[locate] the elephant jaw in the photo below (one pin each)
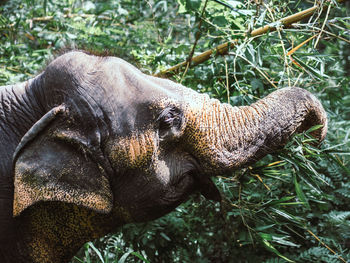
(225, 138)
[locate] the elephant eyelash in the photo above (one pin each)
(169, 117)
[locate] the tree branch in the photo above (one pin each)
(223, 48)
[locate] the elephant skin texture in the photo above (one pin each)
(92, 143)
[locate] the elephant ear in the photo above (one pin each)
(57, 164)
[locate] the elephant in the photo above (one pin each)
(92, 143)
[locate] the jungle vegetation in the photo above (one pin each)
(293, 206)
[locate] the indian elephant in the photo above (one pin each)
(92, 143)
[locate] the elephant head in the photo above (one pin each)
(122, 146)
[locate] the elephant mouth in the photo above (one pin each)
(187, 177)
(207, 187)
(203, 182)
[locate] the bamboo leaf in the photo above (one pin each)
(90, 244)
(300, 193)
(270, 247)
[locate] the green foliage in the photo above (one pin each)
(292, 206)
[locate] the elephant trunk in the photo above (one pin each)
(226, 137)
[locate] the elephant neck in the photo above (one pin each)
(18, 112)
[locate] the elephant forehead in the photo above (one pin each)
(185, 98)
(135, 150)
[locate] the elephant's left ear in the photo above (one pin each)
(53, 164)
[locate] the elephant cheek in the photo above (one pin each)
(162, 172)
(133, 152)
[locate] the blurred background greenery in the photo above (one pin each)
(290, 206)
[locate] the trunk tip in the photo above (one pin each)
(316, 115)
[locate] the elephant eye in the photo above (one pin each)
(169, 118)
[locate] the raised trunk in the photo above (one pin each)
(226, 137)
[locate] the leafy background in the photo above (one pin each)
(290, 206)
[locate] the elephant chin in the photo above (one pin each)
(226, 138)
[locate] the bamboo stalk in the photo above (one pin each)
(287, 21)
(220, 49)
(325, 245)
(223, 48)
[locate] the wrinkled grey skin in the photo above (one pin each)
(92, 143)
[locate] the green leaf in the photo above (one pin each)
(292, 218)
(90, 244)
(300, 193)
(124, 257)
(256, 84)
(193, 4)
(314, 128)
(138, 255)
(188, 5)
(165, 236)
(261, 228)
(182, 7)
(266, 236)
(270, 247)
(220, 21)
(282, 240)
